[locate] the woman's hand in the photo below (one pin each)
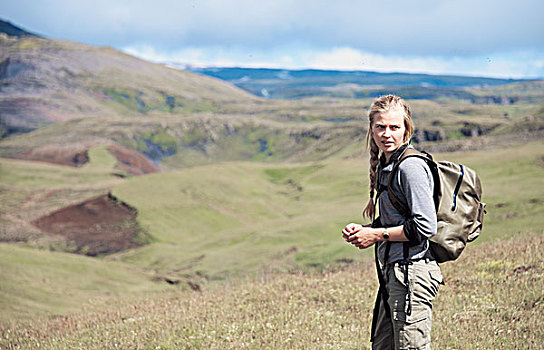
(360, 236)
(351, 229)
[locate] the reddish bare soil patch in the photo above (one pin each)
(128, 160)
(97, 226)
(131, 161)
(62, 155)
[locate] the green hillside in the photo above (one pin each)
(304, 130)
(44, 81)
(259, 213)
(38, 282)
(225, 221)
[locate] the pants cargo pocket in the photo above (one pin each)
(414, 330)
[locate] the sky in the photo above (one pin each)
(491, 38)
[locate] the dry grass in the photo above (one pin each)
(492, 299)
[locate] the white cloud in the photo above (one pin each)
(417, 27)
(521, 65)
(217, 56)
(387, 35)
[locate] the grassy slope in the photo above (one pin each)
(492, 300)
(56, 81)
(237, 217)
(36, 175)
(231, 219)
(29, 189)
(40, 282)
(37, 282)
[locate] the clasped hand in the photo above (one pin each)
(361, 236)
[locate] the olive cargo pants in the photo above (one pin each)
(409, 324)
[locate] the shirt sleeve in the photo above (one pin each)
(415, 181)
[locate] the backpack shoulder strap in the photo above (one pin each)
(411, 152)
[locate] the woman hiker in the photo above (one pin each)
(409, 276)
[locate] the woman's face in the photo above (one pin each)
(388, 131)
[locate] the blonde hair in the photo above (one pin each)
(381, 105)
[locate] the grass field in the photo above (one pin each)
(492, 300)
(224, 222)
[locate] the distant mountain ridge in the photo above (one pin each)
(291, 84)
(12, 30)
(350, 76)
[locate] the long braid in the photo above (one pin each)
(370, 209)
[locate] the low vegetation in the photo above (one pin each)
(492, 300)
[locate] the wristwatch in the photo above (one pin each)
(385, 234)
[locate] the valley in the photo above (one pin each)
(122, 180)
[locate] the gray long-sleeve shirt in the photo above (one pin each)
(413, 186)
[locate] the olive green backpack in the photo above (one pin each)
(457, 198)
